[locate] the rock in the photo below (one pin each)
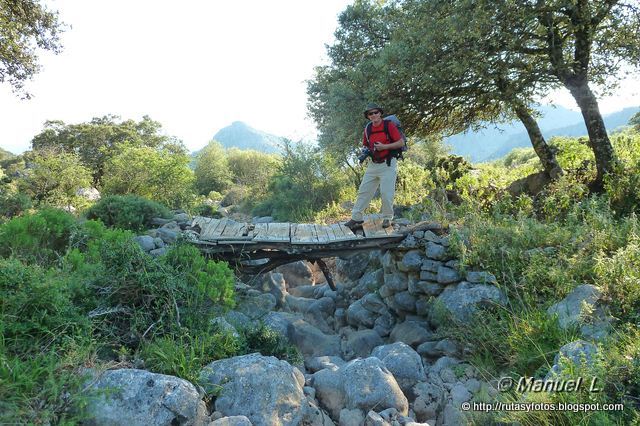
(435, 251)
(412, 333)
(411, 261)
(447, 275)
(223, 325)
(429, 276)
(583, 308)
(387, 262)
(169, 236)
(306, 291)
(307, 338)
(370, 282)
(404, 363)
(258, 387)
(138, 397)
(375, 419)
(172, 225)
(405, 301)
(451, 416)
(182, 218)
(160, 221)
(314, 364)
(352, 267)
(429, 288)
(358, 315)
(361, 343)
(274, 283)
(361, 384)
(463, 300)
(256, 306)
(145, 242)
(429, 400)
(384, 324)
(296, 274)
(373, 303)
(353, 417)
(237, 319)
(232, 421)
(158, 252)
(396, 281)
(430, 265)
(91, 194)
(158, 242)
(580, 353)
(438, 348)
(481, 277)
(409, 242)
(459, 394)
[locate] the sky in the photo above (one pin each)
(195, 66)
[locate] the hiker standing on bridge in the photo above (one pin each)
(379, 137)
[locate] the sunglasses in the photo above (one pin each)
(373, 112)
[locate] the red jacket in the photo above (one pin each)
(378, 135)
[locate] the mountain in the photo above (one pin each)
(242, 136)
(493, 143)
(5, 155)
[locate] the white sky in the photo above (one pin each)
(195, 66)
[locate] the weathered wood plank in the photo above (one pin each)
(210, 228)
(232, 229)
(219, 229)
(276, 232)
(323, 234)
(300, 234)
(259, 231)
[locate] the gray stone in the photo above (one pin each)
(447, 275)
(404, 363)
(182, 218)
(232, 421)
(463, 300)
(430, 288)
(296, 274)
(145, 242)
(330, 391)
(370, 282)
(422, 307)
(459, 394)
(435, 251)
(307, 338)
(353, 267)
(314, 364)
(263, 219)
(396, 281)
(580, 353)
(409, 242)
(274, 283)
(223, 325)
(158, 242)
(481, 277)
(430, 399)
(386, 291)
(373, 303)
(418, 234)
(306, 291)
(428, 276)
(256, 305)
(452, 416)
(167, 235)
(583, 308)
(91, 194)
(406, 301)
(384, 324)
(357, 315)
(411, 261)
(159, 221)
(435, 349)
(171, 226)
(375, 419)
(352, 417)
(386, 260)
(138, 397)
(412, 333)
(158, 252)
(360, 344)
(237, 319)
(430, 236)
(430, 265)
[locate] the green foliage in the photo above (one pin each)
(99, 140)
(268, 342)
(41, 237)
(212, 171)
(26, 26)
(413, 183)
(127, 212)
(302, 186)
(13, 204)
(54, 177)
(161, 175)
(635, 121)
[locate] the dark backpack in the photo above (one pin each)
(397, 153)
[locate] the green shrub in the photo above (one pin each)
(14, 204)
(269, 343)
(127, 212)
(41, 237)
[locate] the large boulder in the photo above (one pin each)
(352, 267)
(296, 274)
(583, 308)
(308, 339)
(403, 362)
(412, 333)
(361, 384)
(138, 397)
(579, 355)
(360, 344)
(266, 390)
(464, 299)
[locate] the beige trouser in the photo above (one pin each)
(377, 175)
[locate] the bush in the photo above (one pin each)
(14, 204)
(127, 212)
(41, 237)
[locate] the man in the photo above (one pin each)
(381, 171)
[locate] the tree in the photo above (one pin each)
(252, 169)
(635, 121)
(54, 177)
(161, 175)
(100, 139)
(212, 170)
(25, 27)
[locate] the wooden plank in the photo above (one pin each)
(331, 235)
(209, 228)
(259, 231)
(323, 235)
(275, 232)
(303, 234)
(347, 234)
(231, 230)
(200, 221)
(372, 228)
(214, 233)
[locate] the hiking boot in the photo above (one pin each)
(354, 224)
(386, 223)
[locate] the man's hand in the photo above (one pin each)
(379, 146)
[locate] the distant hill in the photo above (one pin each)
(5, 155)
(491, 143)
(242, 136)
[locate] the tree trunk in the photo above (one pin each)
(598, 137)
(540, 146)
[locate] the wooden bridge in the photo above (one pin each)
(261, 247)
